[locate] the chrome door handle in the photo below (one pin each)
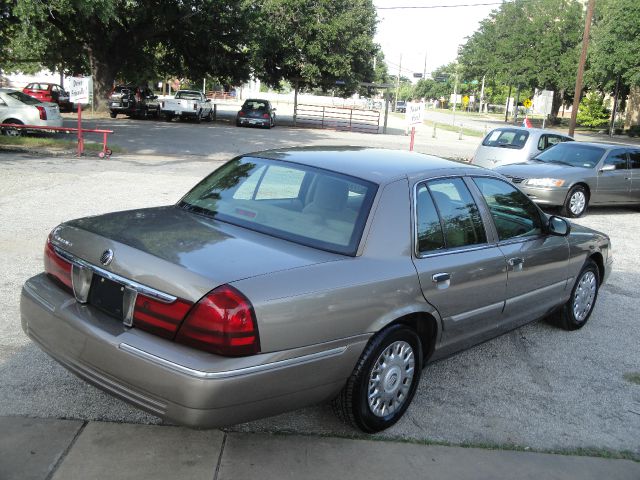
(441, 277)
(516, 263)
(442, 280)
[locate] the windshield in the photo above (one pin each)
(24, 98)
(573, 154)
(305, 205)
(254, 105)
(188, 95)
(506, 138)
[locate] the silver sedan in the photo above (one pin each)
(578, 174)
(17, 108)
(296, 276)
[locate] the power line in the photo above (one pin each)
(440, 6)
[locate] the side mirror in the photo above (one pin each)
(607, 168)
(558, 226)
(154, 97)
(208, 100)
(274, 109)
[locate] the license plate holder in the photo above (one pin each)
(107, 295)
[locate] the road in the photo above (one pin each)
(536, 387)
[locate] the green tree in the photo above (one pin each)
(135, 41)
(528, 43)
(592, 112)
(615, 50)
(315, 43)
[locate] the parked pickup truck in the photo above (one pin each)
(187, 104)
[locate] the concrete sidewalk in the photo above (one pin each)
(39, 449)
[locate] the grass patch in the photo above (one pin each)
(632, 377)
(468, 132)
(36, 143)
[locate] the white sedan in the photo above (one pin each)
(18, 108)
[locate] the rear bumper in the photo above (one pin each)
(254, 121)
(181, 113)
(175, 382)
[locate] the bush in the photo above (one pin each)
(592, 112)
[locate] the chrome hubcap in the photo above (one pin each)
(584, 296)
(391, 379)
(577, 203)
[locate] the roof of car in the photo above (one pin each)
(531, 130)
(601, 145)
(373, 164)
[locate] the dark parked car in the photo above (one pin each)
(575, 175)
(401, 106)
(49, 92)
(257, 112)
(290, 277)
(133, 101)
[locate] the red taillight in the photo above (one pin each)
(42, 111)
(56, 266)
(222, 322)
(159, 318)
(265, 115)
(241, 113)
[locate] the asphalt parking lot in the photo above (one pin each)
(536, 387)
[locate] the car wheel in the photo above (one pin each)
(384, 381)
(12, 132)
(168, 118)
(576, 202)
(199, 117)
(575, 313)
(238, 124)
(113, 114)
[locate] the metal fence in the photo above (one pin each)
(338, 118)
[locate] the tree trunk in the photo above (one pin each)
(104, 72)
(558, 95)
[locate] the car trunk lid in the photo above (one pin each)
(179, 252)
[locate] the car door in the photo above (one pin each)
(614, 178)
(537, 263)
(634, 163)
(462, 274)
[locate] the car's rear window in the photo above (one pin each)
(188, 95)
(573, 154)
(24, 98)
(254, 105)
(506, 138)
(305, 205)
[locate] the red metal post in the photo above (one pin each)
(80, 141)
(413, 136)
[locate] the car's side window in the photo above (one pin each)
(461, 220)
(542, 142)
(554, 140)
(634, 158)
(514, 215)
(429, 228)
(617, 158)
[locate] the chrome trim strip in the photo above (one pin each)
(140, 288)
(478, 311)
(535, 293)
(230, 373)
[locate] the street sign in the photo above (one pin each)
(79, 89)
(543, 102)
(417, 75)
(414, 113)
(527, 103)
(340, 82)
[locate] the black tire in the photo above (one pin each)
(210, 116)
(238, 124)
(113, 114)
(12, 132)
(168, 118)
(575, 313)
(576, 203)
(352, 404)
(199, 117)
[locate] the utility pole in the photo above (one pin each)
(615, 107)
(424, 70)
(583, 58)
(455, 96)
(395, 102)
(506, 113)
(481, 95)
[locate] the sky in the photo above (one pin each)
(434, 32)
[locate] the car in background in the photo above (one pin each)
(18, 108)
(133, 101)
(293, 276)
(256, 112)
(578, 174)
(506, 145)
(49, 92)
(401, 106)
(187, 105)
